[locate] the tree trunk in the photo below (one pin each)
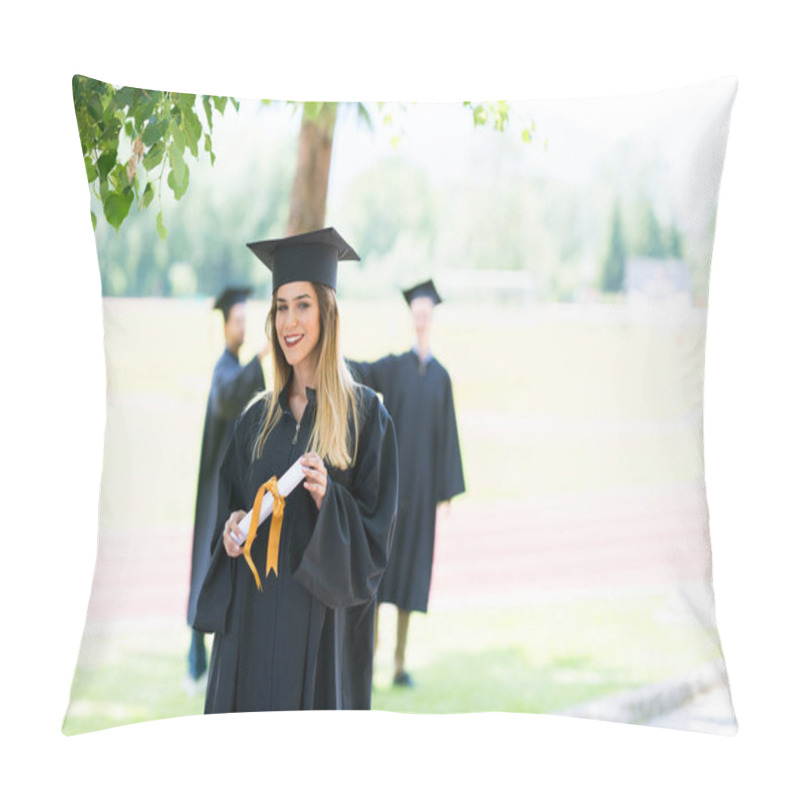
(310, 189)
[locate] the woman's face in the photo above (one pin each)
(297, 322)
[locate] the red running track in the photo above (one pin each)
(485, 553)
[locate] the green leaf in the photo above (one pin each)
(106, 163)
(117, 205)
(91, 169)
(220, 103)
(95, 108)
(94, 220)
(125, 96)
(479, 115)
(191, 143)
(110, 128)
(209, 150)
(193, 129)
(526, 135)
(162, 231)
(207, 109)
(154, 131)
(143, 110)
(154, 156)
(364, 115)
(235, 103)
(178, 182)
(178, 179)
(129, 130)
(147, 196)
(118, 176)
(178, 136)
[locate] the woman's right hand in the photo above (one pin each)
(231, 548)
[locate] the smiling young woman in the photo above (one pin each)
(303, 328)
(304, 639)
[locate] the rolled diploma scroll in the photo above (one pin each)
(286, 483)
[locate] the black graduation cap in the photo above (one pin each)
(426, 289)
(231, 296)
(312, 256)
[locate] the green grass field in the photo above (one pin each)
(540, 658)
(547, 403)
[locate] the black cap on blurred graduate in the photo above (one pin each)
(426, 289)
(230, 297)
(312, 256)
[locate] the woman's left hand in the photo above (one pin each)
(316, 477)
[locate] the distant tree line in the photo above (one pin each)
(647, 238)
(134, 141)
(136, 144)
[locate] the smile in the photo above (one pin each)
(291, 341)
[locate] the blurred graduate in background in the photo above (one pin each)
(232, 387)
(418, 394)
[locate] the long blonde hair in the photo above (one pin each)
(337, 396)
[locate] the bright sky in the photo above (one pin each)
(581, 136)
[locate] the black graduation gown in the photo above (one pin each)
(306, 640)
(419, 398)
(232, 388)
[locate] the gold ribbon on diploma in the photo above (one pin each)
(274, 543)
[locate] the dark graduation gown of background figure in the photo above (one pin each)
(419, 399)
(306, 641)
(232, 388)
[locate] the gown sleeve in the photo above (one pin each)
(216, 591)
(232, 389)
(371, 373)
(347, 552)
(451, 474)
